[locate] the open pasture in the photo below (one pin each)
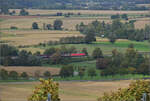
(85, 91)
(32, 69)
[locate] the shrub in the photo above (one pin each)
(97, 53)
(47, 74)
(132, 93)
(3, 74)
(13, 27)
(24, 75)
(91, 72)
(35, 25)
(66, 71)
(41, 91)
(14, 75)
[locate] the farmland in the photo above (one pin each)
(25, 38)
(85, 91)
(31, 70)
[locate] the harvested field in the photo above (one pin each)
(84, 91)
(26, 22)
(32, 37)
(31, 70)
(41, 12)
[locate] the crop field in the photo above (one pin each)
(85, 91)
(33, 37)
(42, 12)
(32, 69)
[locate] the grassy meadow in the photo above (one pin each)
(85, 91)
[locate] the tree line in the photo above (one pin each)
(115, 30)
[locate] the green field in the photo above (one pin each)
(107, 47)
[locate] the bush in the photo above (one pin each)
(133, 93)
(24, 75)
(97, 53)
(46, 87)
(66, 71)
(3, 74)
(14, 75)
(13, 27)
(91, 72)
(47, 74)
(35, 25)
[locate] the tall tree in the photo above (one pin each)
(58, 24)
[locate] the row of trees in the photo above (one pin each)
(5, 75)
(10, 55)
(57, 25)
(5, 10)
(116, 30)
(13, 75)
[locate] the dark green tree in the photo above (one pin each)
(58, 24)
(3, 74)
(84, 50)
(14, 75)
(66, 71)
(23, 12)
(47, 74)
(97, 53)
(89, 35)
(91, 72)
(35, 25)
(24, 75)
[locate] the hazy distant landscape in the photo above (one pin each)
(88, 46)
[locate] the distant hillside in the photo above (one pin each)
(76, 4)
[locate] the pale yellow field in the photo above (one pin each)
(33, 37)
(38, 11)
(26, 23)
(32, 69)
(69, 91)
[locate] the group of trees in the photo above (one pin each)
(117, 16)
(11, 56)
(5, 75)
(131, 62)
(70, 71)
(5, 10)
(57, 25)
(13, 75)
(116, 30)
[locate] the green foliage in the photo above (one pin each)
(50, 51)
(58, 24)
(3, 74)
(66, 71)
(13, 75)
(97, 53)
(90, 35)
(42, 90)
(23, 12)
(47, 74)
(35, 25)
(91, 72)
(7, 50)
(84, 50)
(24, 75)
(133, 93)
